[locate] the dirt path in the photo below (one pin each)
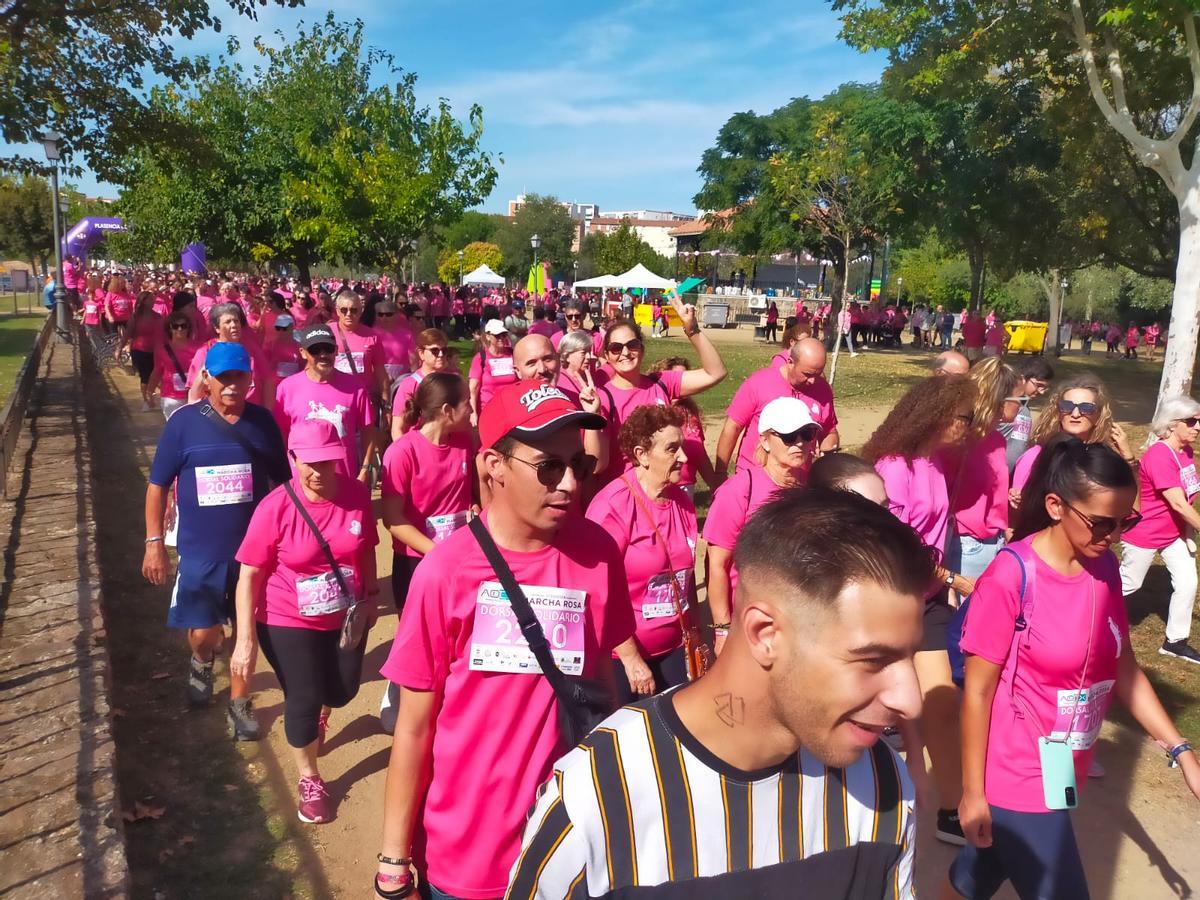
(229, 825)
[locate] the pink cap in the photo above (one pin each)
(315, 440)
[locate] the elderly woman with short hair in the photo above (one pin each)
(1168, 484)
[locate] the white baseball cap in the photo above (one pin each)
(495, 327)
(783, 415)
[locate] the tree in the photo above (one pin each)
(620, 251)
(26, 220)
(79, 65)
(549, 220)
(1144, 82)
(470, 227)
(475, 254)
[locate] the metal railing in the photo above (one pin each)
(13, 414)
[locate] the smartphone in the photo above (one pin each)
(1058, 774)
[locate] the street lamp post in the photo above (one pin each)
(574, 277)
(535, 242)
(460, 266)
(1062, 299)
(52, 144)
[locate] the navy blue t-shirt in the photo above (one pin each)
(219, 483)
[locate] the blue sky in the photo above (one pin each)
(608, 103)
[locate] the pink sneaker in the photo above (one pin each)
(314, 801)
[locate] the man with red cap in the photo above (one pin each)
(478, 720)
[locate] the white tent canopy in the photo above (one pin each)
(483, 275)
(600, 281)
(641, 277)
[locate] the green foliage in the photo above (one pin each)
(80, 66)
(549, 220)
(471, 226)
(619, 251)
(475, 254)
(26, 220)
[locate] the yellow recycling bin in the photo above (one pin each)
(1026, 337)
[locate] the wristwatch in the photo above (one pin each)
(949, 579)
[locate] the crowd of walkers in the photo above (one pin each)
(571, 716)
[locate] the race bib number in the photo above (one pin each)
(497, 644)
(438, 528)
(500, 366)
(320, 595)
(343, 364)
(395, 370)
(1022, 427)
(285, 369)
(659, 603)
(1191, 482)
(178, 383)
(224, 485)
(1086, 709)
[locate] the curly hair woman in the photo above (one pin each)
(908, 451)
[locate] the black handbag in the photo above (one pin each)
(582, 702)
(354, 626)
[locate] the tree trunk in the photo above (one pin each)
(1185, 304)
(977, 259)
(835, 308)
(1054, 294)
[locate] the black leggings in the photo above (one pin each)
(143, 362)
(669, 670)
(402, 571)
(313, 673)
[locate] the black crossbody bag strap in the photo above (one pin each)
(329, 557)
(216, 418)
(175, 361)
(346, 349)
(531, 628)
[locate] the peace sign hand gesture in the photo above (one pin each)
(589, 397)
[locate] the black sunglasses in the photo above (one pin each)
(380, 315)
(616, 348)
(573, 317)
(436, 351)
(1103, 526)
(322, 350)
(348, 311)
(184, 325)
(1191, 421)
(804, 433)
(1066, 407)
(550, 471)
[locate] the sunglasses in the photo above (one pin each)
(322, 350)
(435, 351)
(550, 471)
(1191, 421)
(384, 315)
(1066, 407)
(1103, 526)
(348, 310)
(803, 434)
(575, 317)
(616, 348)
(180, 326)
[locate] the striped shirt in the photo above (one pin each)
(643, 808)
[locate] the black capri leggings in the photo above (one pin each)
(668, 670)
(143, 363)
(313, 673)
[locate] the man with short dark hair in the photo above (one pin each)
(766, 777)
(540, 326)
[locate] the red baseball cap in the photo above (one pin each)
(531, 409)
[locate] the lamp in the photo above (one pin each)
(535, 242)
(52, 144)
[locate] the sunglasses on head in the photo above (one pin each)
(550, 471)
(1103, 526)
(803, 434)
(1066, 407)
(616, 348)
(322, 350)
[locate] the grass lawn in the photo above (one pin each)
(17, 334)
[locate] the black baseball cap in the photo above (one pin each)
(317, 334)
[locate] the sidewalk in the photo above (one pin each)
(60, 825)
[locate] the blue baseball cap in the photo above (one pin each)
(224, 356)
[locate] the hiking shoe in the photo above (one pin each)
(242, 722)
(314, 800)
(1181, 649)
(200, 682)
(949, 831)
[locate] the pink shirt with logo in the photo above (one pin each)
(93, 308)
(732, 505)
(119, 305)
(454, 625)
(396, 350)
(1039, 689)
(300, 582)
(363, 347)
(260, 368)
(492, 373)
(341, 401)
(770, 384)
(284, 354)
(1162, 469)
(617, 510)
(434, 480)
(147, 333)
(981, 502)
(918, 496)
(172, 385)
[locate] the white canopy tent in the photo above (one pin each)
(483, 275)
(641, 277)
(600, 281)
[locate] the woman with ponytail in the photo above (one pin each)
(1047, 648)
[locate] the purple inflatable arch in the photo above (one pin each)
(88, 232)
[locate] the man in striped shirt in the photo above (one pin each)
(765, 778)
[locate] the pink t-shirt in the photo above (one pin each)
(407, 388)
(1132, 337)
(172, 385)
(693, 449)
(364, 350)
(1042, 697)
(496, 735)
(284, 354)
(981, 503)
(396, 349)
(732, 505)
(918, 496)
(1024, 467)
(973, 330)
(1162, 469)
(147, 333)
(93, 308)
(301, 590)
(496, 373)
(770, 384)
(341, 401)
(995, 336)
(260, 368)
(434, 480)
(546, 329)
(119, 306)
(616, 509)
